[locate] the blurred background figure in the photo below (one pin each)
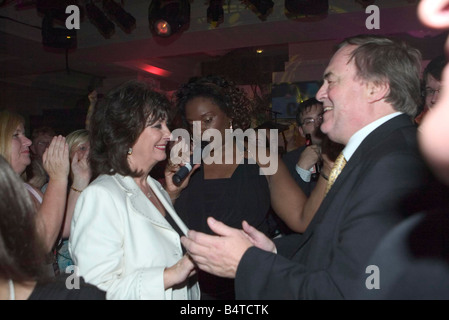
(41, 139)
(21, 271)
(15, 147)
(431, 85)
(80, 175)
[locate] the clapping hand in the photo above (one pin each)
(56, 159)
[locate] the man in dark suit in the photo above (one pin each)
(413, 258)
(370, 94)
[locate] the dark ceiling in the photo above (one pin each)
(227, 49)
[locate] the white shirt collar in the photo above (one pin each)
(357, 138)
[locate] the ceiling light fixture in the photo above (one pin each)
(262, 8)
(215, 13)
(122, 18)
(168, 17)
(57, 37)
(306, 8)
(99, 20)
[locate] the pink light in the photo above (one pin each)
(154, 70)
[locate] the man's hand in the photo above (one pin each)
(258, 239)
(221, 254)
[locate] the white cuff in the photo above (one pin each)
(304, 174)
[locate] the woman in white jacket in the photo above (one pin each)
(125, 234)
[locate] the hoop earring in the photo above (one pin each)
(130, 151)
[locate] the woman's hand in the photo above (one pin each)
(174, 163)
(179, 272)
(56, 159)
(81, 171)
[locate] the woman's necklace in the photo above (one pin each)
(12, 292)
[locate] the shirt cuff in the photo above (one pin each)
(304, 174)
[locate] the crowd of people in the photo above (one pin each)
(368, 189)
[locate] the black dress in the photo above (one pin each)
(243, 196)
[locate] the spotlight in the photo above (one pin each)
(260, 7)
(57, 37)
(301, 8)
(215, 13)
(168, 17)
(99, 20)
(115, 11)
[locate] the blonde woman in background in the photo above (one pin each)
(80, 174)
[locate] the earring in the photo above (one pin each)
(230, 124)
(130, 151)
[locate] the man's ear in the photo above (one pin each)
(377, 91)
(301, 131)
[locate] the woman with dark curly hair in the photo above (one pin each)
(230, 192)
(125, 234)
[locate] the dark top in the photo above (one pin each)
(413, 258)
(244, 196)
(65, 287)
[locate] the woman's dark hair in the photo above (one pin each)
(117, 122)
(22, 254)
(224, 93)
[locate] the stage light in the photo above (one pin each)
(262, 8)
(122, 18)
(57, 37)
(305, 8)
(215, 13)
(99, 20)
(168, 17)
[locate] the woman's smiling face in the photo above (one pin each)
(149, 148)
(20, 150)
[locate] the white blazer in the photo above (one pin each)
(121, 243)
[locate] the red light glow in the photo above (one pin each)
(154, 70)
(163, 28)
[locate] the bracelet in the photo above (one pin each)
(75, 189)
(324, 176)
